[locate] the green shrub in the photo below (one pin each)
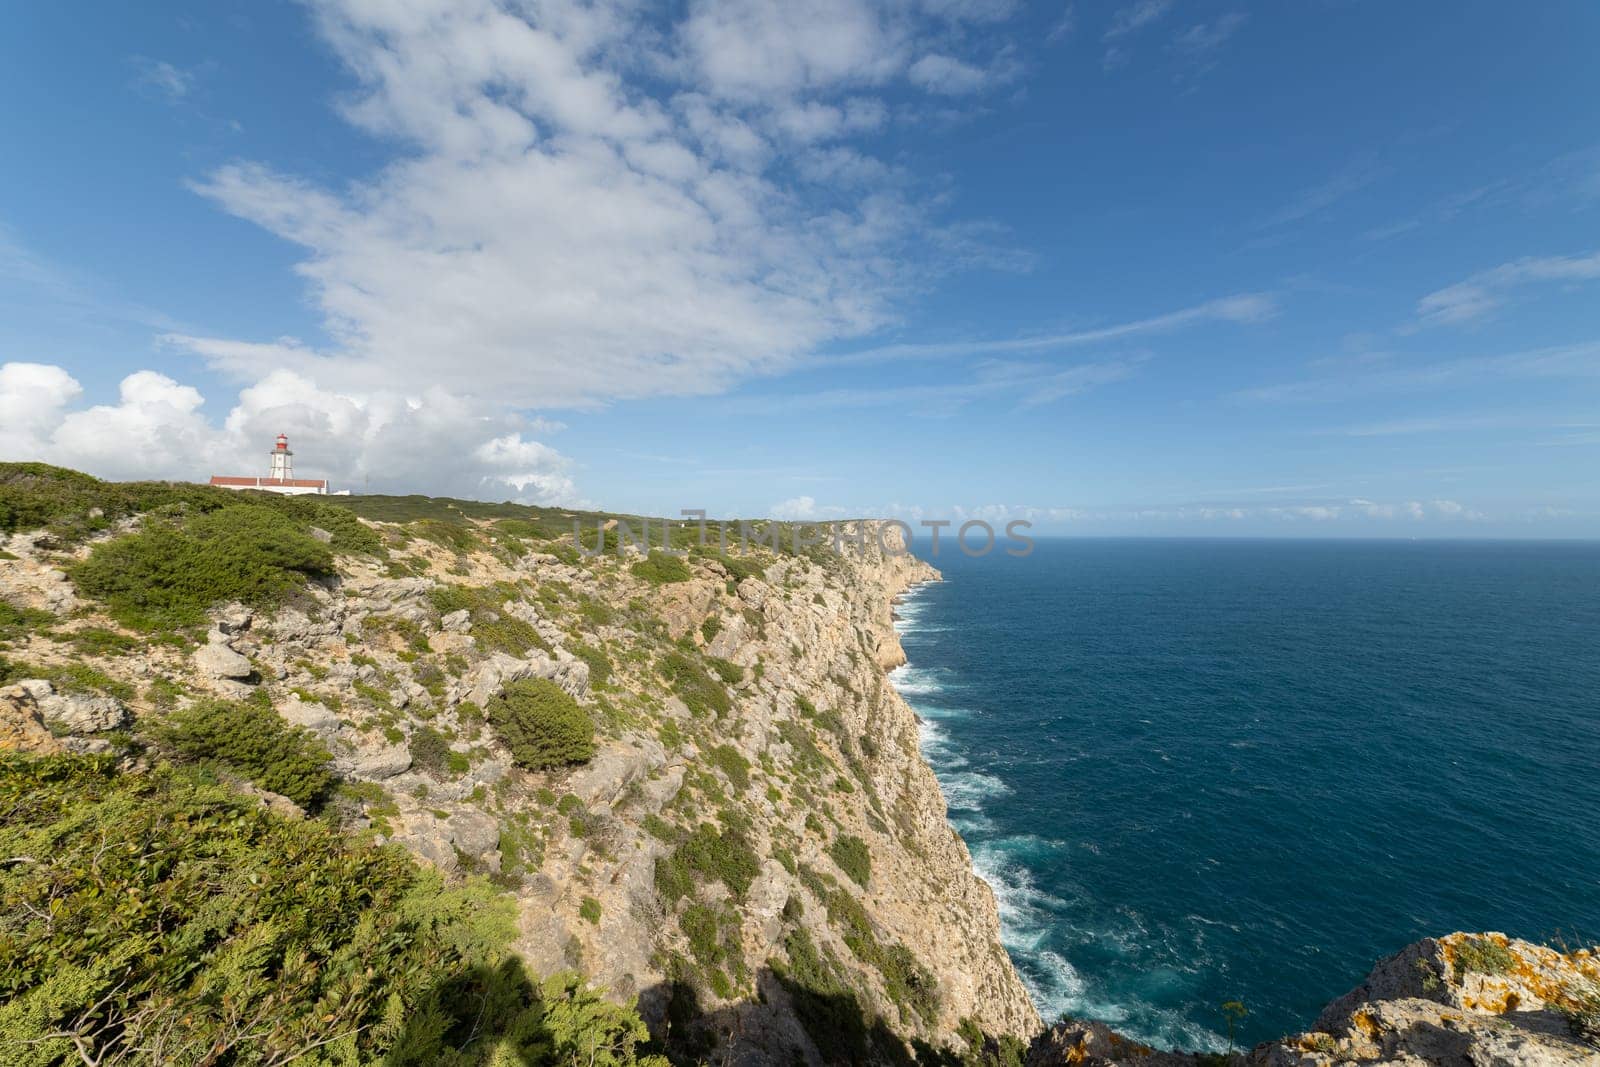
(216, 932)
(1481, 955)
(732, 763)
(658, 568)
(599, 663)
(492, 628)
(430, 751)
(541, 724)
(590, 910)
(17, 623)
(724, 856)
(727, 670)
(853, 858)
(254, 742)
(167, 576)
(700, 693)
(78, 677)
(710, 628)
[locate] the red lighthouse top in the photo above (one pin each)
(283, 443)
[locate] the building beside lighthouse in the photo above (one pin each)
(280, 476)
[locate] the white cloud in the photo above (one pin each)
(434, 442)
(1477, 296)
(805, 509)
(1243, 308)
(1199, 44)
(162, 77)
(32, 399)
(947, 75)
(590, 205)
(1136, 16)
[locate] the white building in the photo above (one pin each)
(280, 476)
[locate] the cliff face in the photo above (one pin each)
(1463, 1000)
(756, 850)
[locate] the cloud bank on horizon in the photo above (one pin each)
(803, 212)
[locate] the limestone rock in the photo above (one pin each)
(474, 832)
(310, 715)
(457, 622)
(381, 764)
(217, 659)
(80, 713)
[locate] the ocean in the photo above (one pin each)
(1200, 771)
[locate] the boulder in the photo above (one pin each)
(80, 713)
(473, 832)
(234, 619)
(383, 763)
(217, 659)
(754, 592)
(457, 622)
(309, 714)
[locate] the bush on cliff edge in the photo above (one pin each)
(541, 724)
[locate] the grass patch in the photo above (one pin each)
(703, 695)
(853, 858)
(1481, 955)
(658, 568)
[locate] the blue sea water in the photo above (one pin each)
(1198, 771)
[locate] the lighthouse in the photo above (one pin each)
(282, 461)
(280, 476)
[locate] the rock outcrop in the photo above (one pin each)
(1464, 1000)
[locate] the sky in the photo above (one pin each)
(1155, 267)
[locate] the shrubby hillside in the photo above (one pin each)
(682, 777)
(401, 780)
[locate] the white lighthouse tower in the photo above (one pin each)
(282, 461)
(281, 478)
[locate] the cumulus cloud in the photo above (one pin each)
(805, 509)
(591, 202)
(434, 442)
(1477, 296)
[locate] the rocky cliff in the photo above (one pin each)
(1463, 1000)
(756, 850)
(753, 849)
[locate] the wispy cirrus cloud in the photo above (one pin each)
(1313, 200)
(1479, 295)
(1578, 361)
(1243, 308)
(1129, 20)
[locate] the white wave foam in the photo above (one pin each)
(969, 789)
(917, 681)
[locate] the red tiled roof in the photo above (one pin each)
(289, 483)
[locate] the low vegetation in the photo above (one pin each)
(157, 918)
(541, 724)
(168, 574)
(250, 740)
(658, 568)
(853, 858)
(1482, 955)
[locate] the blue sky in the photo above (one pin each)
(1298, 269)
